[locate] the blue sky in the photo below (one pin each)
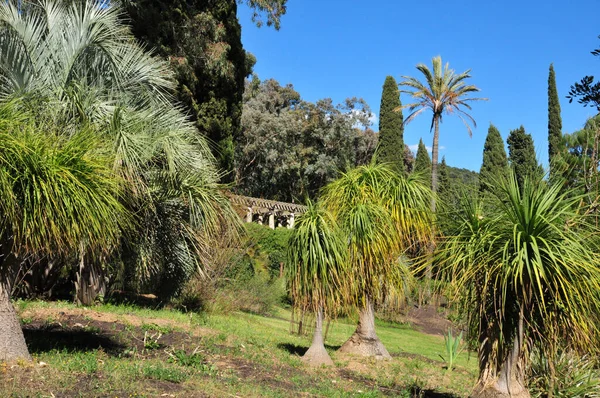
(340, 49)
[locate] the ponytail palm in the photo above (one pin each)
(317, 260)
(442, 92)
(381, 214)
(78, 64)
(57, 196)
(529, 274)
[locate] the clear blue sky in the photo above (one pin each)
(340, 49)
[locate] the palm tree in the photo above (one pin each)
(382, 214)
(443, 92)
(317, 258)
(528, 274)
(79, 63)
(56, 195)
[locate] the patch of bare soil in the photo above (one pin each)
(428, 320)
(128, 319)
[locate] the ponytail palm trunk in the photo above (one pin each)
(528, 277)
(364, 341)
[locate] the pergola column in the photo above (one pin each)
(249, 215)
(290, 223)
(272, 219)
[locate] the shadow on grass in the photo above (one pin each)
(54, 337)
(300, 350)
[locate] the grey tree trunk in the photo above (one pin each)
(316, 354)
(509, 380)
(364, 341)
(90, 282)
(434, 160)
(12, 341)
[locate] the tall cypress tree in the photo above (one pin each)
(444, 187)
(391, 127)
(554, 123)
(522, 155)
(495, 163)
(422, 161)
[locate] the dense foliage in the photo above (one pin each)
(555, 137)
(495, 163)
(202, 40)
(391, 126)
(290, 148)
(521, 155)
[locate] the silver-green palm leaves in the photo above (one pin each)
(527, 270)
(382, 214)
(442, 92)
(78, 64)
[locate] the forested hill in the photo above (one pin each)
(467, 177)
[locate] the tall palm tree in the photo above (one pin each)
(382, 214)
(79, 63)
(528, 274)
(442, 92)
(317, 259)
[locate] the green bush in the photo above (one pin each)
(268, 246)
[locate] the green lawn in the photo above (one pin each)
(125, 351)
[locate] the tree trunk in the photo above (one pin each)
(509, 380)
(12, 341)
(434, 160)
(316, 354)
(90, 282)
(364, 341)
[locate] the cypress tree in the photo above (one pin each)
(391, 127)
(522, 155)
(422, 161)
(495, 163)
(444, 187)
(554, 123)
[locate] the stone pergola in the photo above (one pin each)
(269, 212)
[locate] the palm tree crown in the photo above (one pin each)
(443, 92)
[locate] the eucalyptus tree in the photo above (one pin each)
(528, 274)
(317, 260)
(382, 214)
(442, 92)
(78, 62)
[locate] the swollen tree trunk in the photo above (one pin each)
(12, 341)
(364, 341)
(316, 354)
(507, 380)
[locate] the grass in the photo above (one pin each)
(239, 354)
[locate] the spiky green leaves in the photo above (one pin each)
(382, 214)
(317, 260)
(57, 193)
(532, 254)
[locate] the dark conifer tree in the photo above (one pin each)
(423, 161)
(444, 187)
(522, 155)
(391, 127)
(555, 138)
(495, 163)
